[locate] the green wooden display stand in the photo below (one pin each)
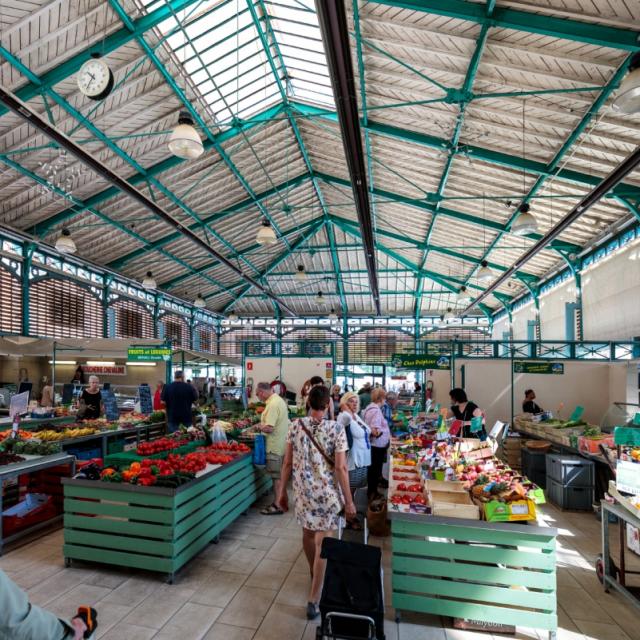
(497, 573)
(156, 528)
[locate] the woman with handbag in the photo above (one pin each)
(359, 443)
(380, 438)
(316, 455)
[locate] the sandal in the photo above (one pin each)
(272, 510)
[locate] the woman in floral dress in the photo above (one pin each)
(316, 455)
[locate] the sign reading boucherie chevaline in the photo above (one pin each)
(148, 354)
(419, 361)
(105, 370)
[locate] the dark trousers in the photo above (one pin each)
(378, 458)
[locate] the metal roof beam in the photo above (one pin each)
(253, 247)
(44, 227)
(595, 34)
(264, 39)
(274, 264)
(25, 112)
(105, 46)
(215, 217)
(335, 35)
(477, 153)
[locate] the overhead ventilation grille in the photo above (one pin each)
(176, 331)
(130, 320)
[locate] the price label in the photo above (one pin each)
(520, 509)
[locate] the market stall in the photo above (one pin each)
(459, 544)
(157, 515)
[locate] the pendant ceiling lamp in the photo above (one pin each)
(232, 317)
(266, 235)
(184, 141)
(320, 299)
(301, 274)
(449, 315)
(484, 275)
(525, 223)
(149, 283)
(199, 302)
(628, 97)
(463, 295)
(65, 243)
(333, 316)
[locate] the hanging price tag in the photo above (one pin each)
(476, 424)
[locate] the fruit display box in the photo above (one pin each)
(155, 528)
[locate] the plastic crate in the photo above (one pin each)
(533, 462)
(571, 471)
(115, 447)
(569, 497)
(539, 478)
(85, 454)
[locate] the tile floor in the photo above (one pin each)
(253, 586)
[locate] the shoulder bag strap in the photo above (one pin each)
(322, 452)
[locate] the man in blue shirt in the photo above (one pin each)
(389, 406)
(178, 398)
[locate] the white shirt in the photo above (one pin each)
(360, 454)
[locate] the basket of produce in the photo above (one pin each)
(541, 446)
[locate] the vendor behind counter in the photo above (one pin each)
(90, 403)
(464, 410)
(529, 405)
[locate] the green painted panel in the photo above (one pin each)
(121, 558)
(474, 534)
(105, 541)
(100, 492)
(483, 612)
(164, 516)
(475, 553)
(89, 524)
(496, 575)
(476, 592)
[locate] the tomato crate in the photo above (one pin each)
(156, 528)
(127, 457)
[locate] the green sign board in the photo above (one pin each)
(149, 354)
(418, 361)
(553, 368)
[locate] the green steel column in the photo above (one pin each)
(156, 315)
(28, 250)
(108, 279)
(579, 324)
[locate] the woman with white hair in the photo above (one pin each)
(91, 400)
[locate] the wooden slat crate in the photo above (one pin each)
(156, 528)
(488, 572)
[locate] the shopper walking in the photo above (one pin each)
(21, 620)
(316, 455)
(179, 397)
(335, 399)
(359, 443)
(317, 381)
(274, 422)
(380, 437)
(91, 400)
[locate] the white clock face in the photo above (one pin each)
(94, 77)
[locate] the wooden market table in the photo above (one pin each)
(156, 528)
(497, 573)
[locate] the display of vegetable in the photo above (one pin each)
(30, 448)
(161, 444)
(157, 416)
(67, 434)
(22, 435)
(9, 458)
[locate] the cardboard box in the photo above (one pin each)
(517, 511)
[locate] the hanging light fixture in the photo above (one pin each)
(266, 235)
(463, 295)
(628, 98)
(149, 282)
(449, 315)
(301, 274)
(320, 299)
(333, 316)
(199, 302)
(65, 243)
(184, 141)
(232, 317)
(525, 223)
(484, 275)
